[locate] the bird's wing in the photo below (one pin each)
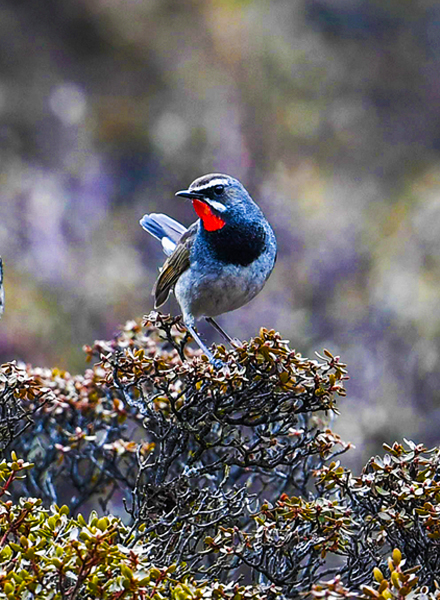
(174, 266)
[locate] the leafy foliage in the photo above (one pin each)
(47, 554)
(395, 502)
(225, 474)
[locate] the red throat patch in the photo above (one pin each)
(211, 222)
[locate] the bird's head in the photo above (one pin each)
(216, 199)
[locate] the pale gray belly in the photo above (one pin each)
(212, 294)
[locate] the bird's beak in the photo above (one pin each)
(217, 206)
(189, 194)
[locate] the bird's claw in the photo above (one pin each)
(217, 363)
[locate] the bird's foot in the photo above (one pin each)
(217, 363)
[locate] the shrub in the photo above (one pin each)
(230, 478)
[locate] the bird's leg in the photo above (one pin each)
(222, 332)
(215, 361)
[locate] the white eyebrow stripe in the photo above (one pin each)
(210, 184)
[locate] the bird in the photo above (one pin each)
(219, 263)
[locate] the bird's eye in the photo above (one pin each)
(219, 189)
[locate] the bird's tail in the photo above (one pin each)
(164, 228)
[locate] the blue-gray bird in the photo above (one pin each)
(221, 261)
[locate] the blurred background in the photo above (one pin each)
(327, 110)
